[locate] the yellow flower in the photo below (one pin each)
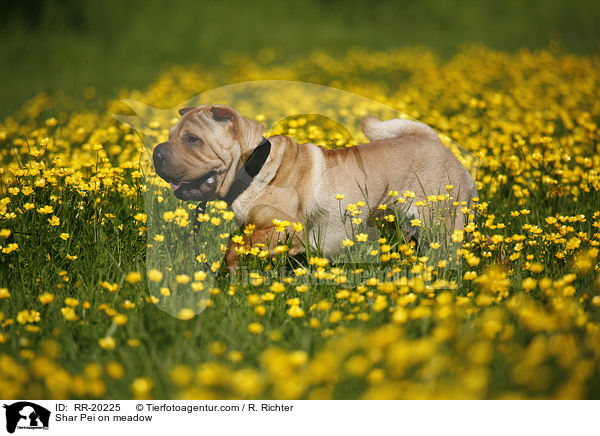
(181, 375)
(247, 383)
(186, 314)
(297, 227)
(458, 235)
(280, 249)
(73, 302)
(280, 225)
(295, 312)
(200, 275)
(155, 275)
(415, 222)
(46, 298)
(168, 216)
(496, 239)
(268, 296)
(46, 210)
(4, 293)
(536, 267)
(340, 196)
(64, 236)
(107, 343)
(110, 287)
(255, 328)
(380, 303)
(277, 287)
(133, 277)
(28, 316)
(141, 387)
(302, 288)
(128, 304)
(69, 314)
(132, 342)
(362, 237)
(235, 356)
(260, 310)
(120, 319)
(335, 316)
(5, 233)
(324, 305)
(494, 280)
(528, 284)
(347, 242)
(115, 370)
(182, 279)
(217, 348)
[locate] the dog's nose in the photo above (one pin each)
(159, 155)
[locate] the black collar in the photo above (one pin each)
(246, 175)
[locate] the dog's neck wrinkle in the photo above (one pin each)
(290, 149)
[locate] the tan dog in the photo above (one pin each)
(298, 182)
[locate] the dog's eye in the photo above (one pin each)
(191, 139)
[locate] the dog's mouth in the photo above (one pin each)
(201, 189)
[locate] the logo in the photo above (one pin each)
(26, 415)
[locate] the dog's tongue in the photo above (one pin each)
(174, 186)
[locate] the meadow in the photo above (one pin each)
(79, 317)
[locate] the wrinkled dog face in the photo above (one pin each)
(201, 148)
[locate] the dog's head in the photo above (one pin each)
(205, 150)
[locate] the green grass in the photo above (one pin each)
(66, 46)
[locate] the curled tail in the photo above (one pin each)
(375, 129)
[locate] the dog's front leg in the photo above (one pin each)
(267, 237)
(231, 258)
(258, 236)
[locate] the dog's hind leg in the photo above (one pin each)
(375, 129)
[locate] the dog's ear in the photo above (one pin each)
(185, 110)
(221, 113)
(246, 131)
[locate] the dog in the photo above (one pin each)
(211, 150)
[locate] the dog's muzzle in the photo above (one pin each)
(200, 189)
